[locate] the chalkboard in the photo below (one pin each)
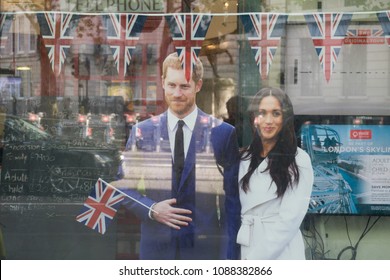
(55, 169)
(35, 163)
(44, 183)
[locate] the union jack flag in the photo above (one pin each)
(384, 19)
(188, 33)
(100, 207)
(328, 31)
(264, 32)
(56, 30)
(123, 31)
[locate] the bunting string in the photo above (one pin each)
(263, 31)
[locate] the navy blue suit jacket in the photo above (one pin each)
(215, 216)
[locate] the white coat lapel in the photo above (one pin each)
(261, 191)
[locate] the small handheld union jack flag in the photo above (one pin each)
(100, 207)
(328, 32)
(264, 32)
(188, 33)
(384, 18)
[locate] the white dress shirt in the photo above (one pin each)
(188, 128)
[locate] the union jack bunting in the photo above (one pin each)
(188, 33)
(328, 31)
(56, 30)
(384, 19)
(123, 31)
(100, 207)
(264, 32)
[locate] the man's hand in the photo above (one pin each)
(171, 216)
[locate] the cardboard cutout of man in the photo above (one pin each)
(192, 217)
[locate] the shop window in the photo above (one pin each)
(73, 111)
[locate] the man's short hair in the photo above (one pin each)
(173, 61)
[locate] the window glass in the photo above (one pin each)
(78, 77)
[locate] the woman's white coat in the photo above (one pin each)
(270, 226)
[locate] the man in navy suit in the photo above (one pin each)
(188, 221)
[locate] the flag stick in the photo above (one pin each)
(132, 198)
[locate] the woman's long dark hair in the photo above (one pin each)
(281, 159)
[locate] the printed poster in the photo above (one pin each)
(351, 167)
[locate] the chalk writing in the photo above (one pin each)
(15, 176)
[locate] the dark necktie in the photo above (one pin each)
(179, 151)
